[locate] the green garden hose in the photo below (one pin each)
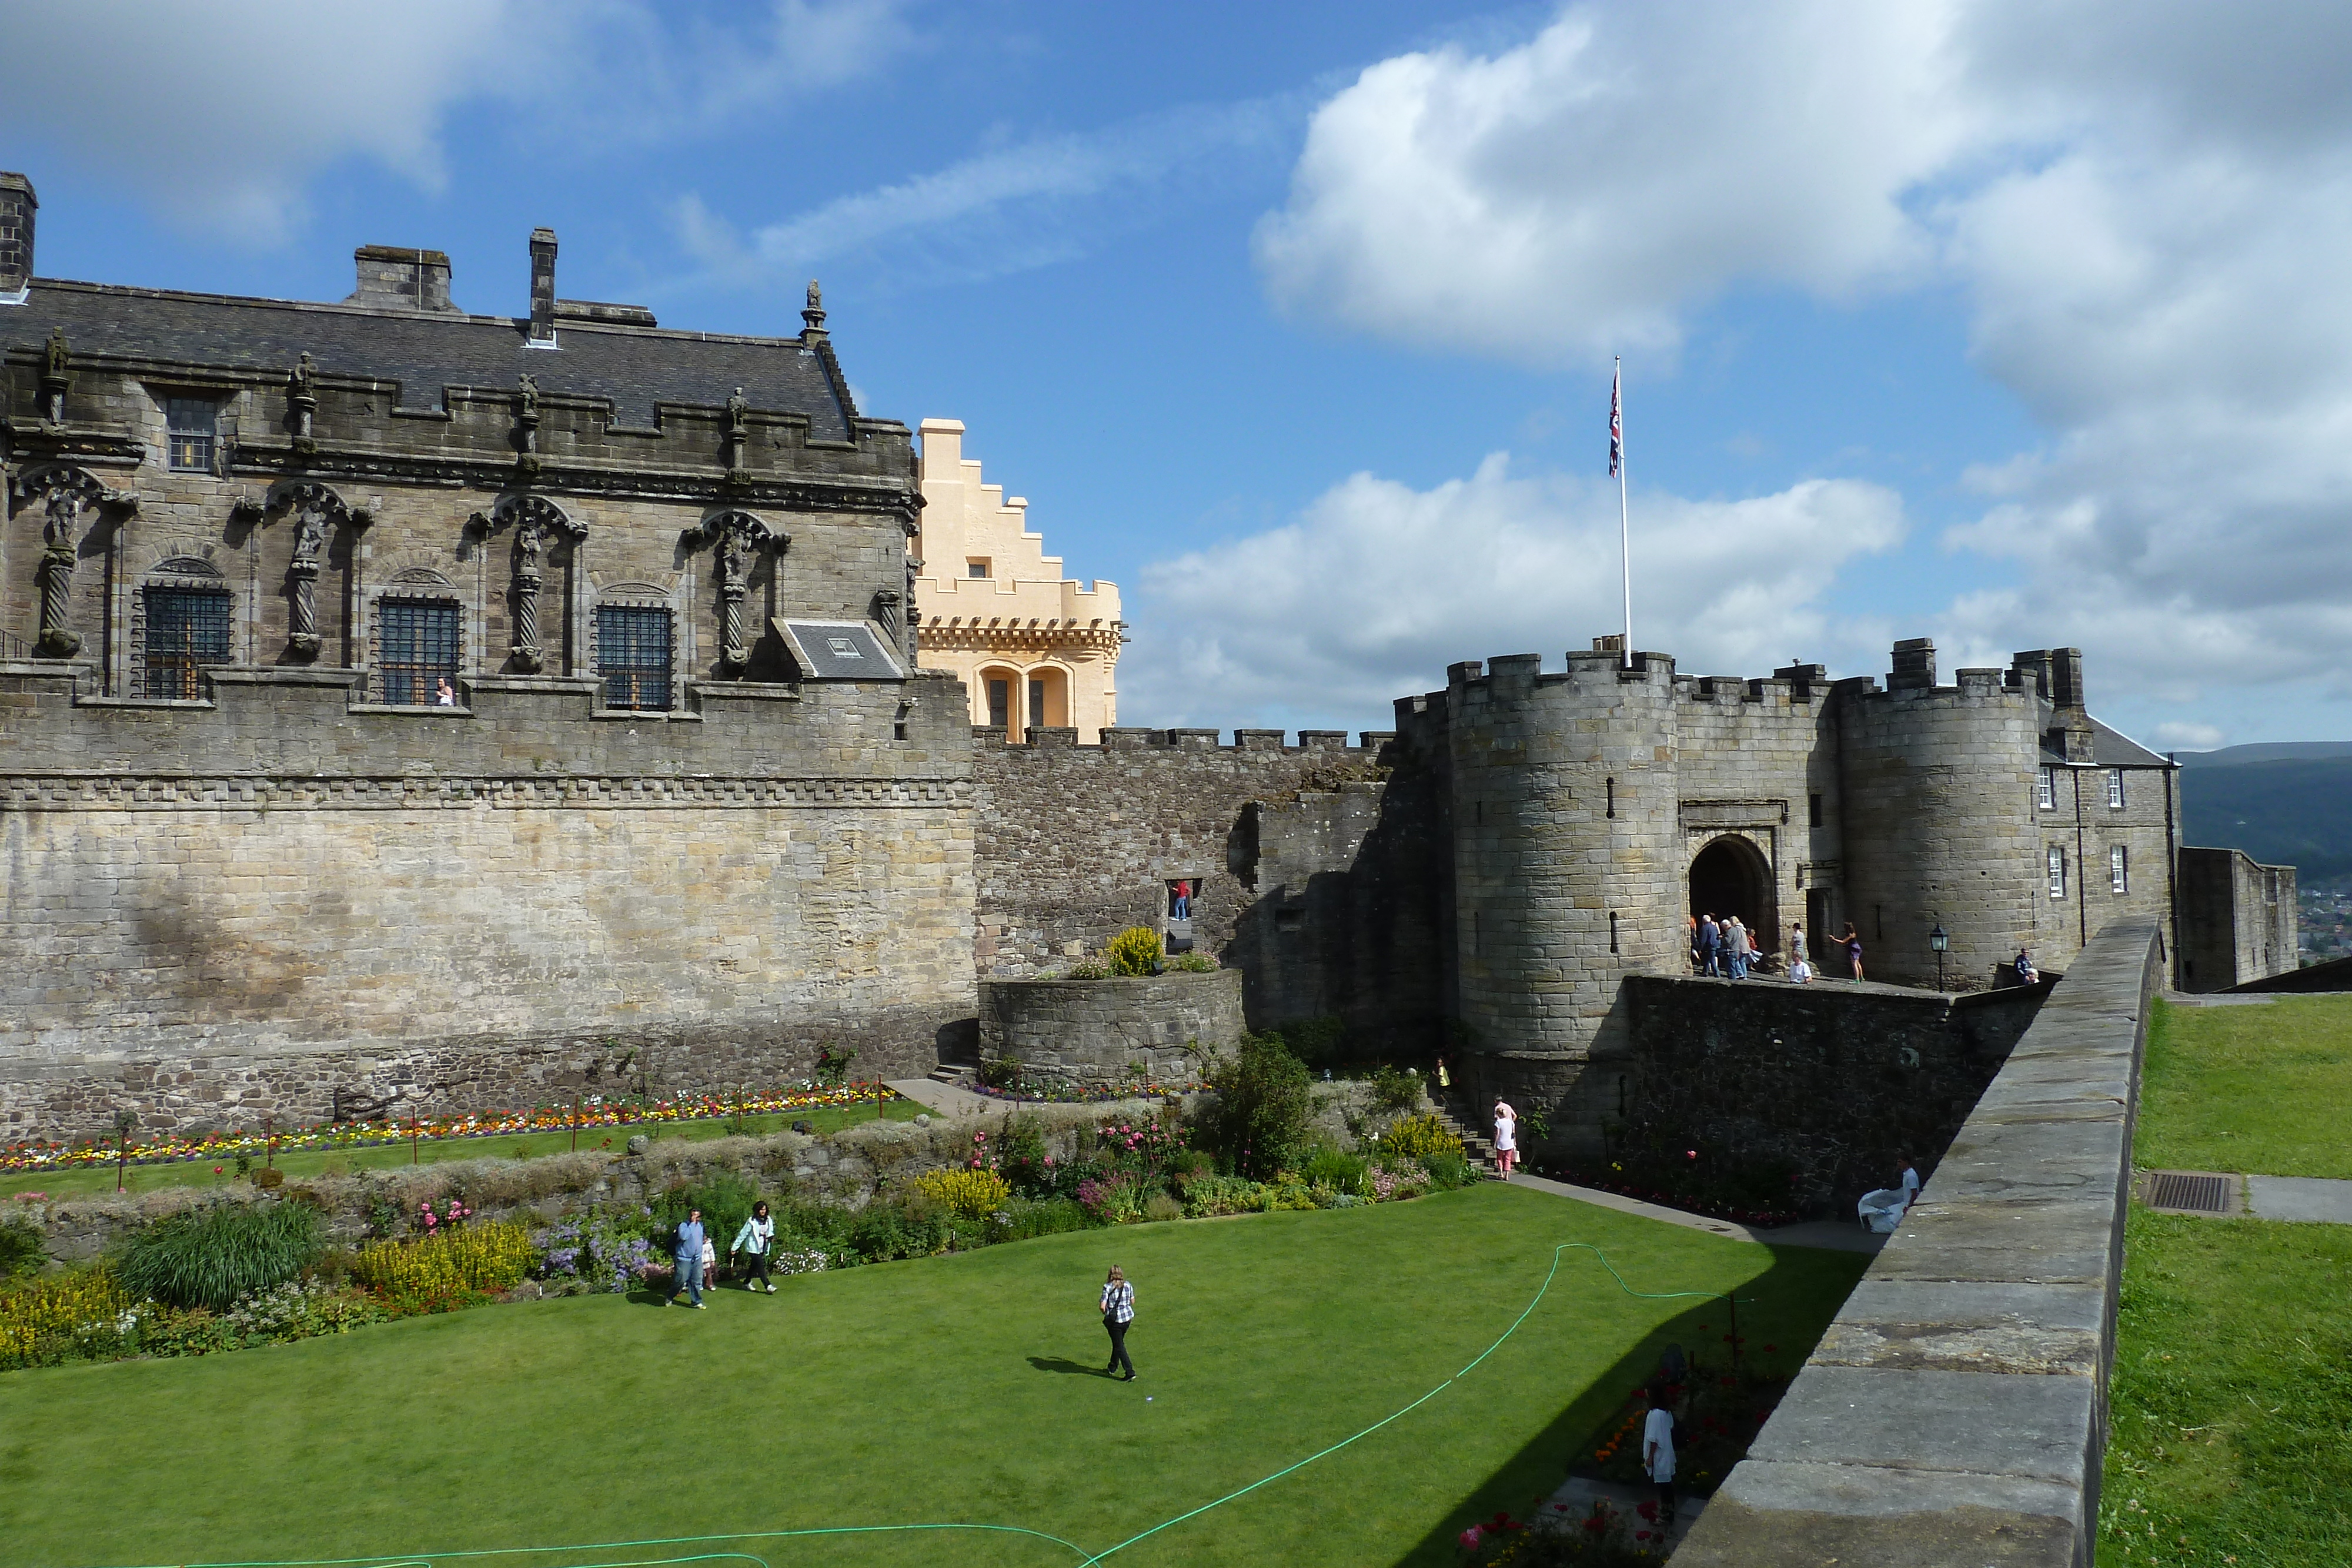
(1084, 1558)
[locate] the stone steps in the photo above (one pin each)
(1479, 1148)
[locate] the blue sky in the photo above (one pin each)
(2007, 324)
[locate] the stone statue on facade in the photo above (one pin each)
(302, 395)
(527, 416)
(54, 376)
(316, 509)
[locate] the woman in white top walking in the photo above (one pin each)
(1118, 1310)
(1507, 1137)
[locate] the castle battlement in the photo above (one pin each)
(1370, 742)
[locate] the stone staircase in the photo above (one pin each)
(1451, 1109)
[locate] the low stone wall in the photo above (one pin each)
(1830, 1081)
(1110, 1032)
(1956, 1412)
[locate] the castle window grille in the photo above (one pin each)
(2057, 874)
(420, 648)
(187, 629)
(2115, 788)
(1036, 705)
(2045, 788)
(191, 426)
(2119, 868)
(633, 655)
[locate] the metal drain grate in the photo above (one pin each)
(2189, 1192)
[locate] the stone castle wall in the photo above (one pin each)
(1154, 1027)
(2238, 919)
(272, 904)
(1310, 868)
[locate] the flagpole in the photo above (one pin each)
(1625, 523)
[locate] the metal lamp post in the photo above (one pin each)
(1940, 940)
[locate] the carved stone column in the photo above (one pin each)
(734, 537)
(537, 522)
(65, 493)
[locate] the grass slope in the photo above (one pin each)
(956, 1388)
(2233, 1391)
(2255, 1089)
(96, 1181)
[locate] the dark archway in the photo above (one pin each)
(1729, 877)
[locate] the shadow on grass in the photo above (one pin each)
(1065, 1364)
(1526, 1482)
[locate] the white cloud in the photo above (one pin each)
(1575, 196)
(1377, 587)
(1012, 208)
(2148, 209)
(222, 113)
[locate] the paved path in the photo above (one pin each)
(948, 1099)
(1828, 1233)
(2300, 1197)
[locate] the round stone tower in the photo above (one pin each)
(1939, 824)
(1567, 870)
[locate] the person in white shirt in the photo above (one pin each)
(1908, 1181)
(1507, 1138)
(1658, 1452)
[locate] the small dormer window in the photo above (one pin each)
(191, 426)
(976, 567)
(842, 648)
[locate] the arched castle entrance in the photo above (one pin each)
(1730, 876)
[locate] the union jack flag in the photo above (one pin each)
(1616, 426)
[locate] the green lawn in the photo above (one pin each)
(2233, 1386)
(957, 1389)
(2258, 1088)
(432, 1151)
(2232, 1393)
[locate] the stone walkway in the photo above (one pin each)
(2311, 1199)
(1828, 1235)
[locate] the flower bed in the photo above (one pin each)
(16, 1158)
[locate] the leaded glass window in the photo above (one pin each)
(420, 647)
(187, 628)
(633, 655)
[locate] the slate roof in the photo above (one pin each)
(633, 367)
(2110, 747)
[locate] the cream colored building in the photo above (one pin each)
(1035, 649)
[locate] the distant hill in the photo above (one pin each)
(2292, 809)
(2266, 751)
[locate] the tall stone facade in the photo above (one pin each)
(2238, 920)
(408, 707)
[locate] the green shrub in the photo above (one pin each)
(1002, 1073)
(725, 1198)
(1024, 1219)
(1393, 1089)
(1418, 1137)
(211, 1254)
(1339, 1171)
(1447, 1172)
(1161, 1207)
(1193, 964)
(1259, 1125)
(21, 1252)
(883, 1232)
(1134, 951)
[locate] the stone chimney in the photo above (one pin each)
(394, 277)
(542, 288)
(16, 204)
(1915, 665)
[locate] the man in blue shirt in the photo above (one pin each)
(687, 1254)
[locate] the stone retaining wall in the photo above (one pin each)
(1110, 1032)
(1955, 1414)
(1831, 1079)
